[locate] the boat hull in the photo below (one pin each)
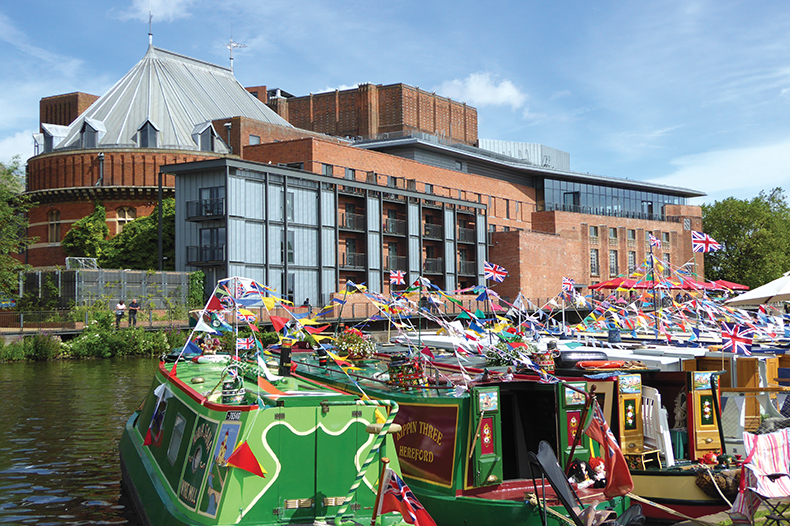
(677, 490)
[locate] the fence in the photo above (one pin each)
(65, 321)
(63, 289)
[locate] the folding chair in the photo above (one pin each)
(765, 479)
(546, 462)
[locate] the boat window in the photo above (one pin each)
(175, 439)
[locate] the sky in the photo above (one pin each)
(685, 93)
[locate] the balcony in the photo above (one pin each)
(433, 266)
(352, 222)
(467, 268)
(395, 263)
(205, 209)
(205, 255)
(466, 235)
(354, 260)
(395, 227)
(432, 231)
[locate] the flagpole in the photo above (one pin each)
(377, 506)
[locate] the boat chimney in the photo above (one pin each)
(285, 360)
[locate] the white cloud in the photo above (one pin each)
(162, 10)
(738, 172)
(482, 89)
(21, 144)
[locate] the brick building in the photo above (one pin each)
(360, 182)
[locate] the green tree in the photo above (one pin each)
(87, 237)
(14, 206)
(137, 246)
(755, 238)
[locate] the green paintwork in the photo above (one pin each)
(311, 443)
(526, 412)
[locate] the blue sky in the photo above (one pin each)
(686, 93)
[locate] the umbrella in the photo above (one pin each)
(772, 292)
(723, 284)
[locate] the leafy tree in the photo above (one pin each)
(87, 238)
(755, 238)
(137, 246)
(14, 206)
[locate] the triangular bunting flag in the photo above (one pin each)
(244, 458)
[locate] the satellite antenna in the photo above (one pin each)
(231, 45)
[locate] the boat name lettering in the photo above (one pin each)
(188, 492)
(205, 432)
(423, 428)
(415, 453)
(233, 416)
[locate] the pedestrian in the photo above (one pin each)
(120, 308)
(133, 308)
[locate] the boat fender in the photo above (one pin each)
(198, 380)
(375, 429)
(600, 365)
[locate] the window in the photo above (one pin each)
(326, 169)
(665, 239)
(613, 270)
(459, 165)
(212, 200)
(428, 188)
(289, 206)
(349, 174)
(254, 139)
(392, 182)
(631, 234)
(207, 140)
(593, 231)
(631, 261)
(123, 215)
(507, 208)
(492, 228)
(147, 135)
(175, 439)
(288, 249)
(54, 226)
(667, 266)
(612, 233)
(594, 268)
(371, 177)
(505, 229)
(89, 136)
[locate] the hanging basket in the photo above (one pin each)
(406, 373)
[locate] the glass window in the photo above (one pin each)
(429, 189)
(665, 237)
(594, 268)
(631, 261)
(613, 270)
(349, 174)
(631, 234)
(593, 231)
(289, 254)
(254, 139)
(175, 439)
(54, 226)
(147, 135)
(289, 206)
(89, 136)
(123, 215)
(326, 169)
(667, 265)
(612, 233)
(207, 140)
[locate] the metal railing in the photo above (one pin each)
(395, 226)
(205, 254)
(466, 235)
(66, 321)
(467, 268)
(432, 231)
(395, 263)
(433, 265)
(606, 211)
(354, 260)
(352, 221)
(205, 208)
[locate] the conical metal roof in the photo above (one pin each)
(176, 94)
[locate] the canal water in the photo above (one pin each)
(60, 423)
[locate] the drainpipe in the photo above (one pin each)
(101, 169)
(227, 127)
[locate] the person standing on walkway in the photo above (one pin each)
(120, 308)
(133, 308)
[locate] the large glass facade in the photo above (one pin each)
(604, 200)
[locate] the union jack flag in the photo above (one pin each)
(249, 318)
(398, 497)
(654, 241)
(736, 338)
(701, 242)
(245, 343)
(568, 284)
(397, 277)
(494, 271)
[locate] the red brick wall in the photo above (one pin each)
(64, 109)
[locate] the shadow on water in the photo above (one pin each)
(60, 423)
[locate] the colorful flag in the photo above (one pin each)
(247, 316)
(701, 242)
(397, 277)
(568, 284)
(494, 272)
(654, 241)
(244, 458)
(618, 478)
(398, 497)
(245, 343)
(736, 338)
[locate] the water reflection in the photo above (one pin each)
(60, 423)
